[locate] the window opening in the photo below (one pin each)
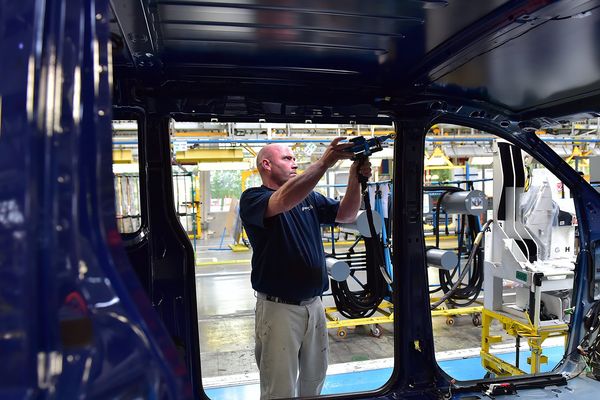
(213, 163)
(126, 172)
(501, 235)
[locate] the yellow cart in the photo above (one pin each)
(385, 315)
(519, 328)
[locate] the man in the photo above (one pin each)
(282, 219)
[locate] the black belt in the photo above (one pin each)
(281, 300)
(284, 301)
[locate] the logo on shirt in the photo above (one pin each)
(307, 208)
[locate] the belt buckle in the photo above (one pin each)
(283, 301)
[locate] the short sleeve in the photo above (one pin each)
(253, 204)
(327, 208)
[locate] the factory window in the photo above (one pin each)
(219, 159)
(509, 295)
(224, 187)
(126, 172)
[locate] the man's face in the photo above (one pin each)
(282, 163)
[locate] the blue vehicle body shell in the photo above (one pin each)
(86, 313)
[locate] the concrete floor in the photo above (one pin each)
(226, 321)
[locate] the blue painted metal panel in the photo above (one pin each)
(513, 67)
(508, 53)
(74, 321)
(19, 311)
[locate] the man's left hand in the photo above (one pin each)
(362, 167)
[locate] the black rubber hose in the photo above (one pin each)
(472, 289)
(472, 253)
(364, 303)
(436, 223)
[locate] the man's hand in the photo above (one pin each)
(336, 151)
(351, 201)
(362, 167)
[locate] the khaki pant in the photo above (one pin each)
(291, 348)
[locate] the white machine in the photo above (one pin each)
(531, 246)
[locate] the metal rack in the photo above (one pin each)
(518, 328)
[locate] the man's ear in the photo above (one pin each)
(266, 164)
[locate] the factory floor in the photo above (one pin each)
(226, 324)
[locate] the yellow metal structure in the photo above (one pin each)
(122, 156)
(446, 242)
(200, 134)
(246, 175)
(385, 315)
(238, 247)
(535, 337)
(438, 160)
(238, 244)
(194, 156)
(197, 207)
(446, 312)
(578, 152)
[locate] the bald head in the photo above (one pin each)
(269, 152)
(276, 164)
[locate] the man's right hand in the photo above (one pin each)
(336, 151)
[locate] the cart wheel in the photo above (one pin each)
(341, 332)
(376, 331)
(477, 319)
(449, 321)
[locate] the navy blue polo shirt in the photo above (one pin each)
(288, 259)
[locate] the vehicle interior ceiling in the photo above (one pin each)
(507, 67)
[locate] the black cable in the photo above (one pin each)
(471, 290)
(446, 190)
(591, 351)
(474, 250)
(378, 250)
(436, 222)
(445, 277)
(363, 303)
